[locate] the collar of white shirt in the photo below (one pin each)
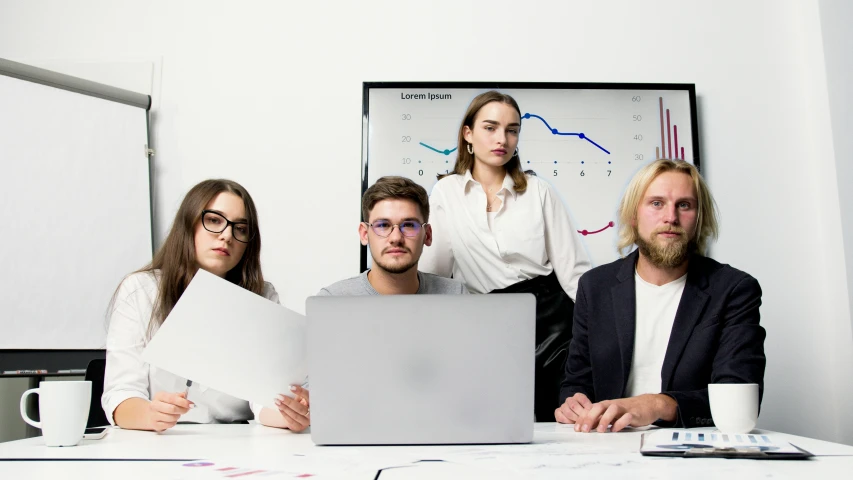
(508, 183)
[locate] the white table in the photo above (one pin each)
(557, 452)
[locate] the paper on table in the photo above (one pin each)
(288, 466)
(232, 340)
(682, 440)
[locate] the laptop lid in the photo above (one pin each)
(421, 369)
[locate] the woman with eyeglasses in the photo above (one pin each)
(215, 229)
(502, 230)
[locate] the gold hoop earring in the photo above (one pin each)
(470, 149)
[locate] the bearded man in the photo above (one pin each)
(653, 329)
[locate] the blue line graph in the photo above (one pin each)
(554, 131)
(445, 152)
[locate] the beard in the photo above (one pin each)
(667, 254)
(395, 267)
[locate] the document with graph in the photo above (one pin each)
(712, 443)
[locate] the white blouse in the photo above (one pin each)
(531, 235)
(128, 376)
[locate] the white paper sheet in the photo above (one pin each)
(680, 440)
(288, 466)
(227, 338)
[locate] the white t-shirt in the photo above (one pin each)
(656, 308)
(128, 376)
(529, 235)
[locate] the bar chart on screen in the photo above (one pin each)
(668, 135)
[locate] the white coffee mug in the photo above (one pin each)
(734, 406)
(63, 410)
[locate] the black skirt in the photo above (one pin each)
(554, 310)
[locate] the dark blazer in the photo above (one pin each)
(716, 336)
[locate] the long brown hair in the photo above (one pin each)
(465, 160)
(176, 259)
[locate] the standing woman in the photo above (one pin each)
(499, 230)
(215, 229)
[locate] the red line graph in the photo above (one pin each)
(587, 232)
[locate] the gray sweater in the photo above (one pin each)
(359, 285)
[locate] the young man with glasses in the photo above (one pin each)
(395, 230)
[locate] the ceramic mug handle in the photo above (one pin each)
(24, 408)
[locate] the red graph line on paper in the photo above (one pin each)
(587, 232)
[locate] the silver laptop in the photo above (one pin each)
(421, 369)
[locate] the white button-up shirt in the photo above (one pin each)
(531, 235)
(128, 376)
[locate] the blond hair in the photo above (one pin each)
(706, 220)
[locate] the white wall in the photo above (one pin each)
(835, 16)
(269, 94)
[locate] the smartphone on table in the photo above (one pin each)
(95, 433)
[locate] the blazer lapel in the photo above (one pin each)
(689, 312)
(624, 298)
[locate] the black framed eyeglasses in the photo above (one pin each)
(215, 222)
(408, 228)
